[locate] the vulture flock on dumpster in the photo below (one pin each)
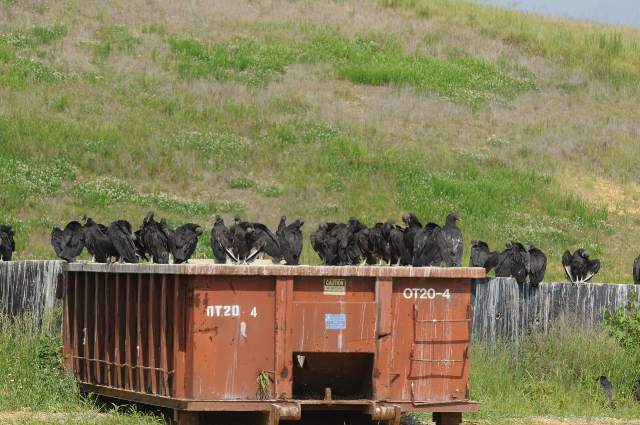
(337, 244)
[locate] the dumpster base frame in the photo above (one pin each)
(186, 412)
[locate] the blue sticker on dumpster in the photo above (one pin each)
(335, 321)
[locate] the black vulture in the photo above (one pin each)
(236, 221)
(245, 241)
(7, 244)
(346, 246)
(375, 239)
(155, 240)
(537, 265)
(218, 229)
(68, 243)
(399, 252)
(122, 238)
(291, 239)
(185, 240)
(325, 245)
(520, 263)
(168, 230)
(141, 251)
(636, 385)
(450, 242)
(413, 226)
(578, 268)
(282, 224)
(425, 246)
(97, 241)
(605, 387)
(636, 270)
(503, 268)
(268, 241)
(245, 247)
(362, 241)
(481, 256)
(241, 245)
(387, 248)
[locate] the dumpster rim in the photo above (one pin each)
(281, 270)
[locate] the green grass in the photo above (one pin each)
(373, 60)
(608, 53)
(552, 374)
(241, 183)
(32, 378)
(537, 375)
(114, 37)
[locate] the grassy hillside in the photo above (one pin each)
(525, 126)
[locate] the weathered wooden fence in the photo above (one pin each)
(28, 286)
(502, 307)
(505, 309)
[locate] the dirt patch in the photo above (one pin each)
(27, 415)
(598, 191)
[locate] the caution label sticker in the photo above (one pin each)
(335, 287)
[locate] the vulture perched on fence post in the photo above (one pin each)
(7, 244)
(537, 265)
(520, 264)
(503, 268)
(578, 268)
(636, 270)
(481, 256)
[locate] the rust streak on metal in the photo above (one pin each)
(153, 323)
(127, 365)
(117, 352)
(87, 335)
(138, 351)
(129, 333)
(163, 334)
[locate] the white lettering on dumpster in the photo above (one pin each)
(424, 293)
(223, 310)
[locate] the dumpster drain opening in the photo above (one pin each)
(345, 376)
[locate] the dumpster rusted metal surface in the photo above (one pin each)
(195, 338)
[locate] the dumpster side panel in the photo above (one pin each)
(431, 340)
(233, 336)
(334, 314)
(338, 327)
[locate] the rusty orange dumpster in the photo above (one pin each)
(272, 340)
